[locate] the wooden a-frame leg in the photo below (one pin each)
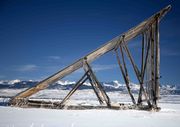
(97, 85)
(137, 72)
(77, 85)
(125, 78)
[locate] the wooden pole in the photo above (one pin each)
(142, 67)
(100, 99)
(125, 77)
(92, 82)
(152, 65)
(77, 85)
(157, 60)
(98, 86)
(147, 40)
(137, 73)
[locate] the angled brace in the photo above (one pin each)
(119, 41)
(137, 72)
(77, 85)
(125, 75)
(96, 84)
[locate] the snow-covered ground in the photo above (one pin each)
(168, 116)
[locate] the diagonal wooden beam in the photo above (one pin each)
(77, 85)
(144, 67)
(137, 73)
(125, 77)
(98, 85)
(87, 68)
(100, 98)
(142, 53)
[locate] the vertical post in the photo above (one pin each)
(153, 93)
(142, 54)
(142, 69)
(157, 60)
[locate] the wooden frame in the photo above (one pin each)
(149, 29)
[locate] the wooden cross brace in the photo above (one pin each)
(98, 89)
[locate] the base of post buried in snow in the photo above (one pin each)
(28, 103)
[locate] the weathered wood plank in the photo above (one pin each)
(77, 85)
(125, 76)
(157, 60)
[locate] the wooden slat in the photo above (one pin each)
(93, 55)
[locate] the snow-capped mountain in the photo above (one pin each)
(17, 84)
(65, 85)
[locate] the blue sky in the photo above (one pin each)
(40, 37)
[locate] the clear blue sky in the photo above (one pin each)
(40, 37)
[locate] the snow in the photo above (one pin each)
(65, 82)
(32, 117)
(14, 81)
(168, 116)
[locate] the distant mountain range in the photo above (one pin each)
(67, 85)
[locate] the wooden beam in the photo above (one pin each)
(152, 65)
(77, 85)
(98, 86)
(93, 55)
(100, 98)
(125, 76)
(137, 73)
(92, 81)
(142, 66)
(157, 60)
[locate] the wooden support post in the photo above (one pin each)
(137, 73)
(124, 76)
(105, 96)
(98, 86)
(100, 99)
(142, 67)
(107, 99)
(124, 64)
(153, 96)
(142, 54)
(157, 60)
(77, 85)
(93, 82)
(146, 57)
(147, 41)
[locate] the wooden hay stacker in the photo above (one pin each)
(150, 64)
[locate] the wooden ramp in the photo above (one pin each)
(150, 62)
